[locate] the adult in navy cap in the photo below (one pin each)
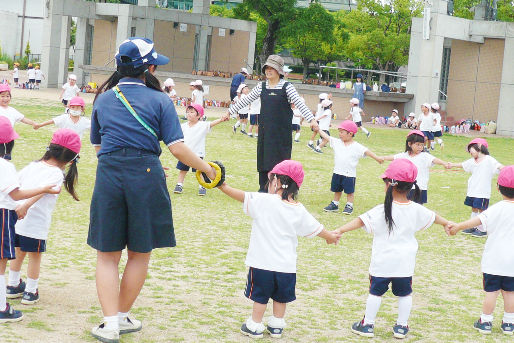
(130, 207)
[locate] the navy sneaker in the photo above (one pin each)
(275, 332)
(331, 207)
(363, 330)
(507, 328)
(400, 331)
(348, 209)
(311, 145)
(469, 231)
(30, 298)
(253, 334)
(368, 134)
(178, 189)
(14, 292)
(244, 132)
(297, 141)
(478, 233)
(10, 315)
(318, 150)
(234, 129)
(484, 328)
(202, 191)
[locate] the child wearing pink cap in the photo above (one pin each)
(278, 218)
(10, 192)
(482, 168)
(415, 152)
(73, 118)
(347, 154)
(35, 214)
(7, 111)
(195, 132)
(393, 225)
(497, 259)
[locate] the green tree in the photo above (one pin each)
(27, 49)
(73, 32)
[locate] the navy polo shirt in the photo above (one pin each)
(237, 80)
(114, 128)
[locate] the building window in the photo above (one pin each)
(445, 69)
(185, 5)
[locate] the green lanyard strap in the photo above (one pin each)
(125, 102)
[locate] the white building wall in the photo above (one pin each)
(8, 41)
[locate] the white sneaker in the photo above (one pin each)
(130, 325)
(103, 335)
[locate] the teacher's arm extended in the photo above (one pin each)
(294, 97)
(189, 158)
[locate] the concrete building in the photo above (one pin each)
(331, 5)
(470, 61)
(193, 41)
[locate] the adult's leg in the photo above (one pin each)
(263, 181)
(108, 282)
(133, 279)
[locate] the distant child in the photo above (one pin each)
(9, 193)
(169, 89)
(278, 218)
(7, 111)
(39, 76)
(255, 109)
(423, 160)
(356, 114)
(73, 119)
(347, 153)
(425, 124)
(297, 118)
(242, 92)
(437, 130)
(482, 168)
(195, 132)
(393, 225)
(31, 75)
(497, 259)
(324, 119)
(411, 121)
(35, 214)
(69, 89)
(197, 94)
(394, 120)
(16, 75)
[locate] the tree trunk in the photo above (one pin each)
(305, 69)
(270, 41)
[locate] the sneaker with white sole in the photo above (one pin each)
(507, 328)
(234, 129)
(30, 298)
(368, 134)
(244, 132)
(275, 332)
(331, 207)
(130, 325)
(400, 331)
(469, 231)
(363, 330)
(484, 328)
(479, 234)
(13, 292)
(311, 145)
(10, 315)
(318, 150)
(103, 335)
(202, 191)
(178, 189)
(247, 332)
(348, 209)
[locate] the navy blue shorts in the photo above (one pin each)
(424, 196)
(342, 183)
(296, 127)
(429, 135)
(32, 80)
(243, 116)
(38, 82)
(28, 244)
(254, 119)
(480, 203)
(262, 285)
(8, 219)
(65, 102)
(131, 205)
(401, 286)
(16, 80)
(493, 283)
(185, 167)
(358, 123)
(437, 134)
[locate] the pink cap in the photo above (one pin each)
(291, 168)
(348, 125)
(401, 170)
(67, 138)
(479, 141)
(198, 109)
(4, 87)
(7, 132)
(416, 132)
(506, 177)
(77, 101)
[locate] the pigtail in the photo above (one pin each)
(108, 84)
(417, 193)
(199, 87)
(71, 178)
(388, 205)
(6, 148)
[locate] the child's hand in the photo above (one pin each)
(51, 189)
(21, 211)
(226, 117)
(449, 165)
(452, 228)
(165, 169)
(36, 126)
(333, 237)
(380, 159)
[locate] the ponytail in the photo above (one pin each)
(400, 187)
(388, 208)
(289, 186)
(65, 155)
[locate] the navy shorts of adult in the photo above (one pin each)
(429, 135)
(493, 283)
(479, 203)
(254, 119)
(342, 183)
(401, 286)
(261, 285)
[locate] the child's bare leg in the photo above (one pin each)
(34, 265)
(489, 303)
(3, 297)
(15, 265)
(279, 309)
(508, 300)
(350, 197)
(181, 176)
(337, 196)
(258, 312)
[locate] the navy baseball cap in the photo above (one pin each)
(138, 51)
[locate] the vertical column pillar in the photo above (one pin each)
(50, 54)
(202, 46)
(124, 24)
(144, 28)
(251, 50)
(64, 50)
(506, 101)
(201, 6)
(81, 46)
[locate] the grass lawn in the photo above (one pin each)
(194, 292)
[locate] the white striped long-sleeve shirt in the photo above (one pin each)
(292, 97)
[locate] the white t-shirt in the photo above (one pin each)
(319, 110)
(38, 75)
(255, 106)
(37, 221)
(8, 183)
(70, 91)
(275, 227)
(324, 123)
(15, 73)
(355, 111)
(194, 136)
(245, 109)
(498, 258)
(12, 114)
(426, 122)
(346, 157)
(479, 183)
(31, 73)
(172, 93)
(437, 125)
(65, 122)
(423, 162)
(297, 116)
(394, 120)
(198, 95)
(394, 254)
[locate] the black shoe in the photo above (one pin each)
(318, 150)
(311, 145)
(178, 189)
(253, 334)
(14, 292)
(234, 129)
(507, 328)
(479, 234)
(469, 231)
(244, 132)
(10, 315)
(202, 191)
(331, 207)
(348, 209)
(30, 298)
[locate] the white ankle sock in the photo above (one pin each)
(3, 295)
(253, 326)
(507, 317)
(122, 316)
(243, 127)
(432, 144)
(364, 130)
(372, 307)
(486, 318)
(237, 124)
(349, 204)
(31, 285)
(179, 183)
(297, 136)
(111, 323)
(275, 322)
(311, 142)
(335, 202)
(14, 278)
(439, 141)
(404, 307)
